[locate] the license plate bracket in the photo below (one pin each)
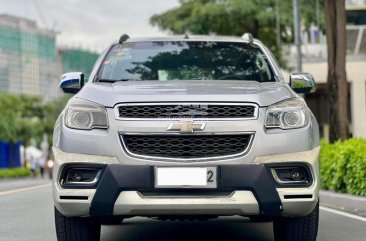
(185, 177)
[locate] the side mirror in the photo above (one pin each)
(302, 83)
(72, 82)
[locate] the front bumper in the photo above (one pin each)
(246, 189)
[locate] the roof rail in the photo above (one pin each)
(123, 38)
(248, 37)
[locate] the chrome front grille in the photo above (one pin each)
(186, 110)
(186, 146)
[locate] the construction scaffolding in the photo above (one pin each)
(78, 60)
(28, 62)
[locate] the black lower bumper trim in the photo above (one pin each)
(256, 179)
(117, 178)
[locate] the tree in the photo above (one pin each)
(337, 78)
(235, 17)
(20, 118)
(25, 117)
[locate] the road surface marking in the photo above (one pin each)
(24, 189)
(348, 215)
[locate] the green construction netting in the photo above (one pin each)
(27, 43)
(78, 60)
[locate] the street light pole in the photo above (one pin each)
(297, 26)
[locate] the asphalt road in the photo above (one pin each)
(26, 213)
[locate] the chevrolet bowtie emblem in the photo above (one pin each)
(186, 127)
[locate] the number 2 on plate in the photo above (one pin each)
(210, 175)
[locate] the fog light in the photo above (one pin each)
(83, 176)
(76, 175)
(296, 174)
(291, 174)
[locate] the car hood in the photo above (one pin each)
(109, 94)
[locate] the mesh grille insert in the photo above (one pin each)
(186, 146)
(193, 111)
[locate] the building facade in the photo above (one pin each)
(356, 12)
(31, 63)
(28, 58)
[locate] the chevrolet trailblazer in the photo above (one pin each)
(186, 128)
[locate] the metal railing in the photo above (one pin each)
(317, 50)
(356, 39)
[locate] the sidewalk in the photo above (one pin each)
(345, 202)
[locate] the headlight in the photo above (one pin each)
(85, 115)
(287, 114)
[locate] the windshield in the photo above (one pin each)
(185, 60)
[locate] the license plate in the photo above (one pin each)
(185, 177)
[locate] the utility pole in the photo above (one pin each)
(297, 29)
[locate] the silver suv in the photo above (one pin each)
(186, 128)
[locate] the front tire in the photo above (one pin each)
(76, 228)
(297, 229)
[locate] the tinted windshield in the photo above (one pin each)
(185, 60)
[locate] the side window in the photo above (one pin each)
(263, 67)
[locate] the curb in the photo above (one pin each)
(345, 202)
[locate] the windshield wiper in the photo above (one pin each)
(106, 80)
(130, 80)
(113, 80)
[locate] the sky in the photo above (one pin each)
(91, 24)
